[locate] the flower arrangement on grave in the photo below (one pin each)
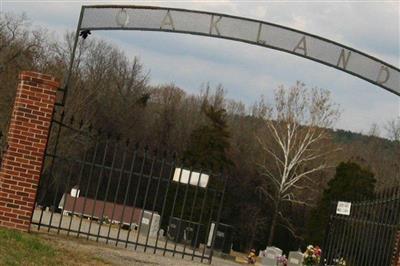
(281, 260)
(312, 256)
(339, 262)
(105, 220)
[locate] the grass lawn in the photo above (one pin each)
(35, 248)
(18, 248)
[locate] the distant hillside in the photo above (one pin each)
(380, 155)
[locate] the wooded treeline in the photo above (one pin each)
(111, 92)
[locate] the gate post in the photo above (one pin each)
(27, 140)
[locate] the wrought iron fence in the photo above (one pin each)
(369, 235)
(102, 188)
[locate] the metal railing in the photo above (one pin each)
(368, 236)
(112, 191)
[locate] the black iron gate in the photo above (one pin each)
(369, 235)
(100, 187)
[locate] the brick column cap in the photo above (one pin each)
(39, 78)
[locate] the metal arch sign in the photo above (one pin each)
(251, 31)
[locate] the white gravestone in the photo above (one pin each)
(148, 217)
(295, 258)
(269, 256)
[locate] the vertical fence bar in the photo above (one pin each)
(391, 220)
(65, 194)
(183, 209)
(381, 210)
(383, 224)
(351, 224)
(337, 236)
(76, 196)
(117, 191)
(191, 213)
(128, 186)
(136, 196)
(107, 190)
(172, 168)
(150, 177)
(367, 223)
(396, 233)
(396, 228)
(53, 206)
(92, 164)
(68, 73)
(359, 237)
(200, 220)
(330, 233)
(370, 246)
(173, 208)
(209, 225)
(344, 227)
(99, 181)
(155, 202)
(389, 245)
(344, 239)
(218, 218)
(380, 224)
(367, 218)
(54, 152)
(327, 236)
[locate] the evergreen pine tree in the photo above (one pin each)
(351, 183)
(209, 143)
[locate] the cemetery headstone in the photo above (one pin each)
(295, 258)
(154, 219)
(269, 256)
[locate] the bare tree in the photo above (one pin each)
(293, 145)
(20, 48)
(393, 129)
(374, 130)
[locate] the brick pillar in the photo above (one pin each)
(27, 139)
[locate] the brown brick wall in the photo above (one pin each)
(27, 140)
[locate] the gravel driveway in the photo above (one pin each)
(111, 254)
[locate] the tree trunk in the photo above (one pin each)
(253, 236)
(273, 225)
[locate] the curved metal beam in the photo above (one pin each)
(319, 49)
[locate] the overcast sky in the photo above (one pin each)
(248, 71)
